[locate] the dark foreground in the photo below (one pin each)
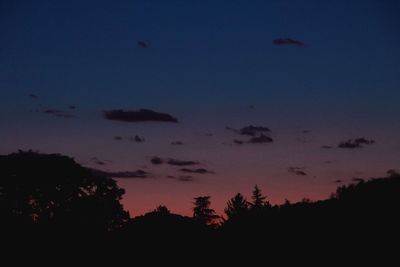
(52, 208)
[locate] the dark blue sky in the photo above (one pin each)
(207, 61)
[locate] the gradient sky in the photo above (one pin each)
(206, 63)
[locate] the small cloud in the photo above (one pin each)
(329, 161)
(250, 130)
(156, 160)
(122, 174)
(72, 107)
(177, 143)
(257, 133)
(297, 170)
(34, 96)
(97, 161)
(199, 171)
(55, 112)
(176, 162)
(238, 142)
(326, 147)
(143, 44)
(338, 181)
(355, 143)
(136, 139)
(287, 41)
(173, 162)
(262, 138)
(141, 115)
(182, 178)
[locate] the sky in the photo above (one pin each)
(116, 84)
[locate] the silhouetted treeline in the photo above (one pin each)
(53, 199)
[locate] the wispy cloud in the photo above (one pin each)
(297, 171)
(136, 138)
(143, 44)
(177, 143)
(258, 134)
(138, 174)
(288, 41)
(182, 178)
(174, 162)
(141, 115)
(198, 171)
(55, 112)
(355, 143)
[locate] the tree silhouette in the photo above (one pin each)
(236, 206)
(202, 211)
(161, 209)
(258, 199)
(54, 190)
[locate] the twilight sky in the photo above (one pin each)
(320, 76)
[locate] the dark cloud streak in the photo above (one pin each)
(141, 115)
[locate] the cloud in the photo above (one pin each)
(156, 160)
(257, 134)
(143, 44)
(326, 147)
(177, 143)
(262, 138)
(355, 143)
(199, 171)
(182, 178)
(122, 174)
(287, 41)
(55, 112)
(140, 115)
(34, 96)
(174, 162)
(72, 107)
(297, 170)
(250, 130)
(97, 161)
(137, 139)
(338, 181)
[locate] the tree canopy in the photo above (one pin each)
(54, 190)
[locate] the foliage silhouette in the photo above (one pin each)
(53, 191)
(258, 199)
(202, 211)
(236, 206)
(49, 198)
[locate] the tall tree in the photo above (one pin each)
(202, 211)
(236, 206)
(258, 199)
